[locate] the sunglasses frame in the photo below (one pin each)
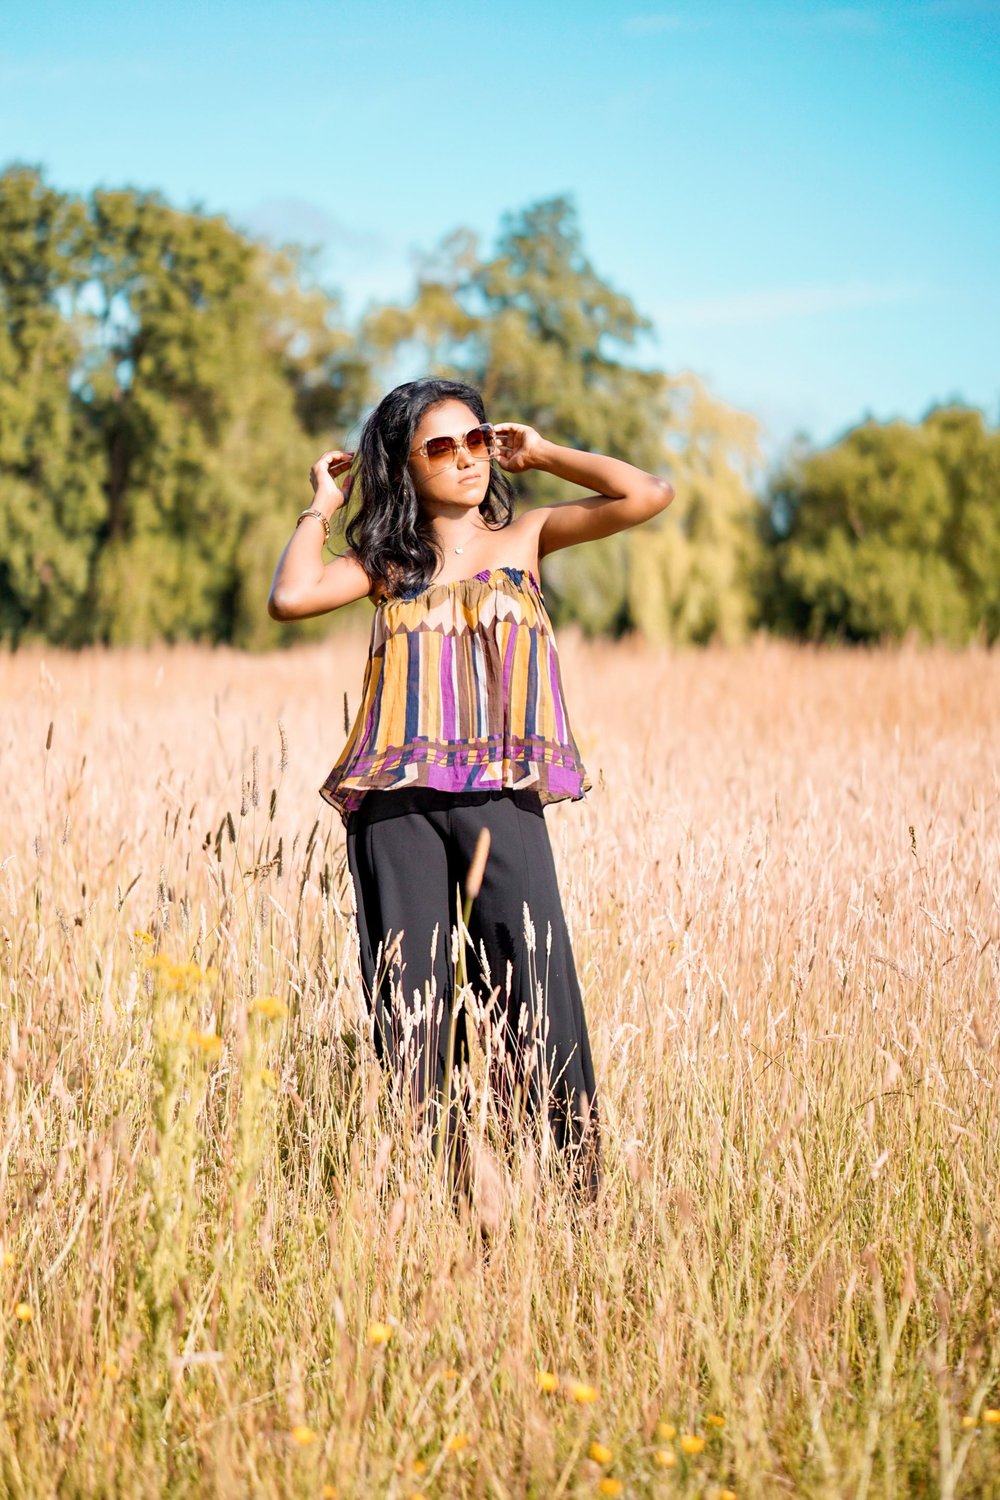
(460, 442)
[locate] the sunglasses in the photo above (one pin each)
(441, 452)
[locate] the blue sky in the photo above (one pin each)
(805, 198)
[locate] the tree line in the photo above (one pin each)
(166, 380)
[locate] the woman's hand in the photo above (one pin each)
(321, 476)
(519, 447)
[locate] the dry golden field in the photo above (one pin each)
(227, 1271)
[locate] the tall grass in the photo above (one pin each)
(227, 1267)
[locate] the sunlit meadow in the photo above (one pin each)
(227, 1270)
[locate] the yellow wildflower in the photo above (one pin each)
(664, 1458)
(968, 1422)
(24, 1312)
(205, 1041)
(581, 1393)
(302, 1435)
(9, 1258)
(449, 1374)
(714, 1420)
(546, 1380)
(270, 1007)
(186, 975)
(158, 961)
(991, 1414)
(691, 1443)
(418, 1465)
(457, 1442)
(666, 1431)
(610, 1486)
(600, 1453)
(112, 1369)
(418, 1495)
(329, 1492)
(379, 1333)
(727, 1495)
(143, 936)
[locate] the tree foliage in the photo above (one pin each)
(50, 494)
(545, 338)
(691, 575)
(164, 382)
(894, 529)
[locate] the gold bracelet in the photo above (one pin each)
(320, 517)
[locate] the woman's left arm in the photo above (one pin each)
(626, 496)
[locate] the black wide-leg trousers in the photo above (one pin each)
(409, 852)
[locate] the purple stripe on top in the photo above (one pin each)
(448, 708)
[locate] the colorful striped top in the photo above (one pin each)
(462, 692)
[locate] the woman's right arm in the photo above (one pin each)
(303, 584)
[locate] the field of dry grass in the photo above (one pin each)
(224, 1268)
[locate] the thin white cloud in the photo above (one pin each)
(770, 304)
(283, 218)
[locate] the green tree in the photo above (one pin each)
(177, 379)
(545, 339)
(51, 500)
(167, 381)
(893, 529)
(691, 574)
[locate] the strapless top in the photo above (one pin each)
(462, 692)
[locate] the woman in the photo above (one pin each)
(462, 727)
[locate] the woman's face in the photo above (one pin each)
(466, 480)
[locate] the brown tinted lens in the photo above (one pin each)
(479, 441)
(440, 448)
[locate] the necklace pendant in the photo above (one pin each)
(459, 549)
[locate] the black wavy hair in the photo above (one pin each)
(390, 534)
